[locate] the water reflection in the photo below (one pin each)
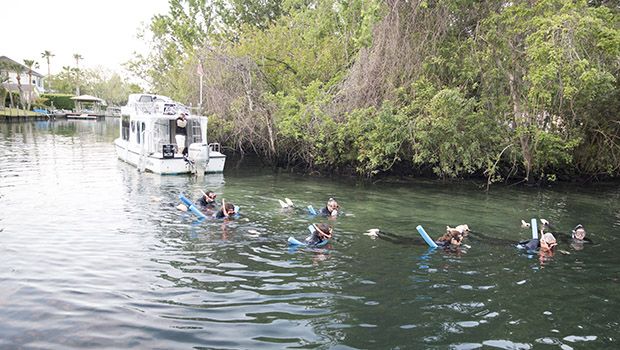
(91, 260)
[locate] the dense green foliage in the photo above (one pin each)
(502, 89)
(59, 101)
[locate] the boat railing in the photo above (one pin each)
(144, 107)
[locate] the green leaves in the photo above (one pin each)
(527, 89)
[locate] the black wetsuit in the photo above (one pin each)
(324, 212)
(528, 244)
(532, 244)
(315, 239)
(397, 239)
(495, 241)
(203, 202)
(220, 214)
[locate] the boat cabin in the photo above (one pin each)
(150, 121)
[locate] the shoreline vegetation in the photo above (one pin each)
(507, 91)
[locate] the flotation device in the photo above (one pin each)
(312, 210)
(534, 225)
(191, 206)
(293, 241)
(426, 237)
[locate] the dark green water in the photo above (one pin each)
(91, 261)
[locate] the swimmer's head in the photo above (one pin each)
(548, 241)
(324, 230)
(579, 232)
(210, 196)
(333, 206)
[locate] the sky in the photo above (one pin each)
(104, 33)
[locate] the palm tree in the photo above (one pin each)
(29, 64)
(6, 66)
(77, 57)
(67, 69)
(18, 69)
(3, 79)
(47, 55)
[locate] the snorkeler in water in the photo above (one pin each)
(321, 233)
(547, 242)
(452, 238)
(227, 210)
(393, 238)
(330, 210)
(207, 199)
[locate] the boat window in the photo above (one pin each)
(146, 98)
(138, 134)
(133, 126)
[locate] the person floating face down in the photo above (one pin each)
(546, 243)
(450, 239)
(181, 133)
(322, 232)
(207, 199)
(331, 209)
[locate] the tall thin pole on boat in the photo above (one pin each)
(201, 73)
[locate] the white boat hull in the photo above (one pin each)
(157, 164)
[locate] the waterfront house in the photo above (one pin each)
(31, 90)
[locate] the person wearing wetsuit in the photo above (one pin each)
(450, 241)
(322, 232)
(207, 200)
(396, 239)
(225, 211)
(330, 210)
(546, 243)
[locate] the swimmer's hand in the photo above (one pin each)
(525, 224)
(563, 252)
(182, 207)
(466, 246)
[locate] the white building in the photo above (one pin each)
(31, 90)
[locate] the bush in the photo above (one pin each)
(59, 101)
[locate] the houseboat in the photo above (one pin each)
(147, 130)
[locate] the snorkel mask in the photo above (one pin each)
(579, 232)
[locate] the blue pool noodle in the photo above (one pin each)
(311, 210)
(534, 225)
(426, 237)
(294, 241)
(192, 207)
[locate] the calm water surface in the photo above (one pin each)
(90, 260)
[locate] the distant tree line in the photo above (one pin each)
(504, 90)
